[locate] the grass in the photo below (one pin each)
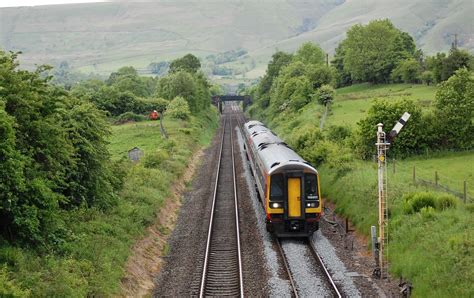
(352, 103)
(90, 260)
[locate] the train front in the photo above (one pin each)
(293, 199)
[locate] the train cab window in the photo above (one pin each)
(311, 187)
(276, 187)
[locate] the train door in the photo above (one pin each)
(294, 197)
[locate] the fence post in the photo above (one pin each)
(465, 191)
(414, 175)
(436, 178)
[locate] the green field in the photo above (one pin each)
(351, 103)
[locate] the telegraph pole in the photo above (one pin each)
(383, 144)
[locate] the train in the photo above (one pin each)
(287, 185)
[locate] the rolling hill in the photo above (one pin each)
(101, 37)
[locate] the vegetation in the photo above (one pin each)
(71, 205)
(343, 149)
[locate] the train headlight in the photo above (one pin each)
(275, 205)
(311, 205)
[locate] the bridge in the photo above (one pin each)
(217, 100)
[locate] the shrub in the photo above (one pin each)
(129, 117)
(418, 200)
(325, 94)
(8, 287)
(155, 159)
(415, 202)
(445, 201)
(178, 108)
(338, 133)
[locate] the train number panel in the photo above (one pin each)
(287, 185)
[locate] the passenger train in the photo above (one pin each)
(287, 185)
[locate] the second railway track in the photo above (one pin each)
(330, 284)
(222, 269)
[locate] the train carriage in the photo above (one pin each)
(288, 186)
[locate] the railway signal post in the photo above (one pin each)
(383, 144)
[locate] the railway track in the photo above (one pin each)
(330, 284)
(222, 269)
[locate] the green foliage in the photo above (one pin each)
(455, 111)
(178, 108)
(192, 87)
(371, 52)
(54, 150)
(278, 61)
(338, 133)
(408, 71)
(188, 63)
(409, 141)
(343, 76)
(444, 66)
(155, 159)
(310, 53)
(325, 95)
(427, 77)
(129, 117)
(8, 287)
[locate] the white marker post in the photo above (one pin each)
(382, 147)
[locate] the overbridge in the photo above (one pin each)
(217, 100)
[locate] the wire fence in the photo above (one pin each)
(442, 183)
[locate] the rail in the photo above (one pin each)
(222, 269)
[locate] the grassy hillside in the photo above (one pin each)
(101, 37)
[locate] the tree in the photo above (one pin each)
(188, 63)
(53, 155)
(407, 71)
(178, 108)
(410, 141)
(325, 95)
(279, 61)
(372, 51)
(427, 77)
(455, 110)
(310, 53)
(343, 77)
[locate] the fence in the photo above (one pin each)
(436, 183)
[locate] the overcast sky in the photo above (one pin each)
(13, 3)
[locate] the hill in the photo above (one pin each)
(101, 37)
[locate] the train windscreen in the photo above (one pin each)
(276, 188)
(311, 187)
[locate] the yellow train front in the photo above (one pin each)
(287, 185)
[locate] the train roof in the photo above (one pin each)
(273, 152)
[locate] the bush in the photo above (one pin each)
(338, 133)
(178, 108)
(325, 94)
(445, 201)
(414, 202)
(8, 287)
(155, 159)
(417, 201)
(129, 117)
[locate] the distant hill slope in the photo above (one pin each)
(101, 37)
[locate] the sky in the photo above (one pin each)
(13, 3)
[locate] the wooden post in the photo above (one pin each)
(436, 178)
(414, 175)
(465, 191)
